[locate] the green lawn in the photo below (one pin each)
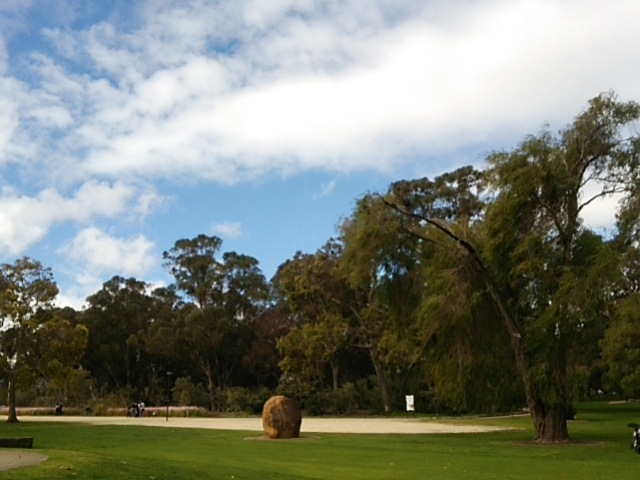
(601, 450)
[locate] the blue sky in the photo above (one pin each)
(126, 125)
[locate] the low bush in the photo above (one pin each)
(17, 442)
(244, 400)
(187, 393)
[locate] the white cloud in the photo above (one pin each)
(236, 89)
(57, 117)
(292, 85)
(4, 56)
(599, 214)
(25, 220)
(326, 189)
(94, 256)
(11, 13)
(71, 299)
(14, 5)
(9, 118)
(175, 91)
(148, 202)
(228, 230)
(97, 255)
(100, 253)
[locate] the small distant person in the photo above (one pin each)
(58, 409)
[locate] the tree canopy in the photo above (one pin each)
(548, 276)
(31, 342)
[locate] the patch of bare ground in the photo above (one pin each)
(576, 443)
(301, 438)
(309, 425)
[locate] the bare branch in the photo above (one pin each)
(602, 194)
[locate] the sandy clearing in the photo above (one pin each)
(309, 425)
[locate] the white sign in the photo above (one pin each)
(410, 405)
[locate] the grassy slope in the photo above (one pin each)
(600, 451)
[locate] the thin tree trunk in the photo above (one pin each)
(12, 417)
(335, 374)
(213, 394)
(384, 385)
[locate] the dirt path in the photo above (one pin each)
(19, 458)
(309, 425)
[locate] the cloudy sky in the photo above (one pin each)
(126, 125)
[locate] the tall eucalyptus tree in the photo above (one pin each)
(227, 295)
(27, 291)
(119, 317)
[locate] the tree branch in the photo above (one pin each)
(492, 289)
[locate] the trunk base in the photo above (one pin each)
(550, 423)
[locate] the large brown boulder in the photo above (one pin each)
(281, 418)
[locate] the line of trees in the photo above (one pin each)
(480, 290)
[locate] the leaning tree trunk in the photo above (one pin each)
(12, 417)
(550, 421)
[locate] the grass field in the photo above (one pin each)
(600, 450)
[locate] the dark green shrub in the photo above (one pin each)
(17, 442)
(186, 393)
(245, 400)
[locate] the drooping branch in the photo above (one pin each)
(508, 321)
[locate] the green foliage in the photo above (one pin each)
(510, 242)
(119, 318)
(621, 347)
(363, 395)
(565, 294)
(326, 313)
(188, 394)
(216, 331)
(32, 344)
(193, 264)
(245, 400)
(107, 404)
